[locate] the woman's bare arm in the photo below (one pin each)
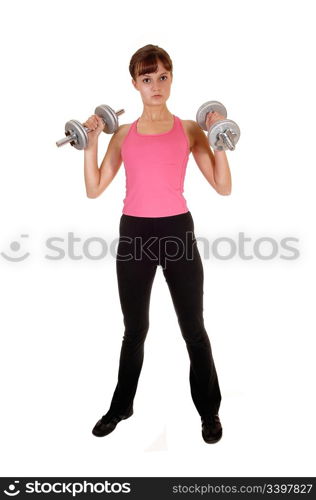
(98, 179)
(213, 165)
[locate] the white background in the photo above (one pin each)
(61, 322)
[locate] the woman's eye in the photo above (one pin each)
(164, 76)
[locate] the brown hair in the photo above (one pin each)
(145, 60)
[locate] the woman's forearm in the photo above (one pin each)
(91, 170)
(222, 175)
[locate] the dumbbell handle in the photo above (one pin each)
(72, 137)
(65, 140)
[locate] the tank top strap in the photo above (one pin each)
(176, 126)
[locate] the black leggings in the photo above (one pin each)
(145, 243)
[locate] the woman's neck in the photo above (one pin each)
(154, 114)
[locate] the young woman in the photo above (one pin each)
(155, 150)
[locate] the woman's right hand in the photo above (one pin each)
(96, 124)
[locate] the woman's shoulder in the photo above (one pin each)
(122, 132)
(123, 129)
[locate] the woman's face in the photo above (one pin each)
(154, 84)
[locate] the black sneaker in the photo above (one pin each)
(211, 428)
(108, 423)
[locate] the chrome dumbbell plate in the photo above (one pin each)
(207, 107)
(78, 132)
(109, 116)
(223, 135)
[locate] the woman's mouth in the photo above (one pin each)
(157, 95)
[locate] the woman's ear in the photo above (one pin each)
(134, 83)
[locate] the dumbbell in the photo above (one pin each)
(77, 135)
(223, 134)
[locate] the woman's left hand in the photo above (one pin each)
(213, 117)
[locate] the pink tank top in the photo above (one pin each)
(155, 166)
